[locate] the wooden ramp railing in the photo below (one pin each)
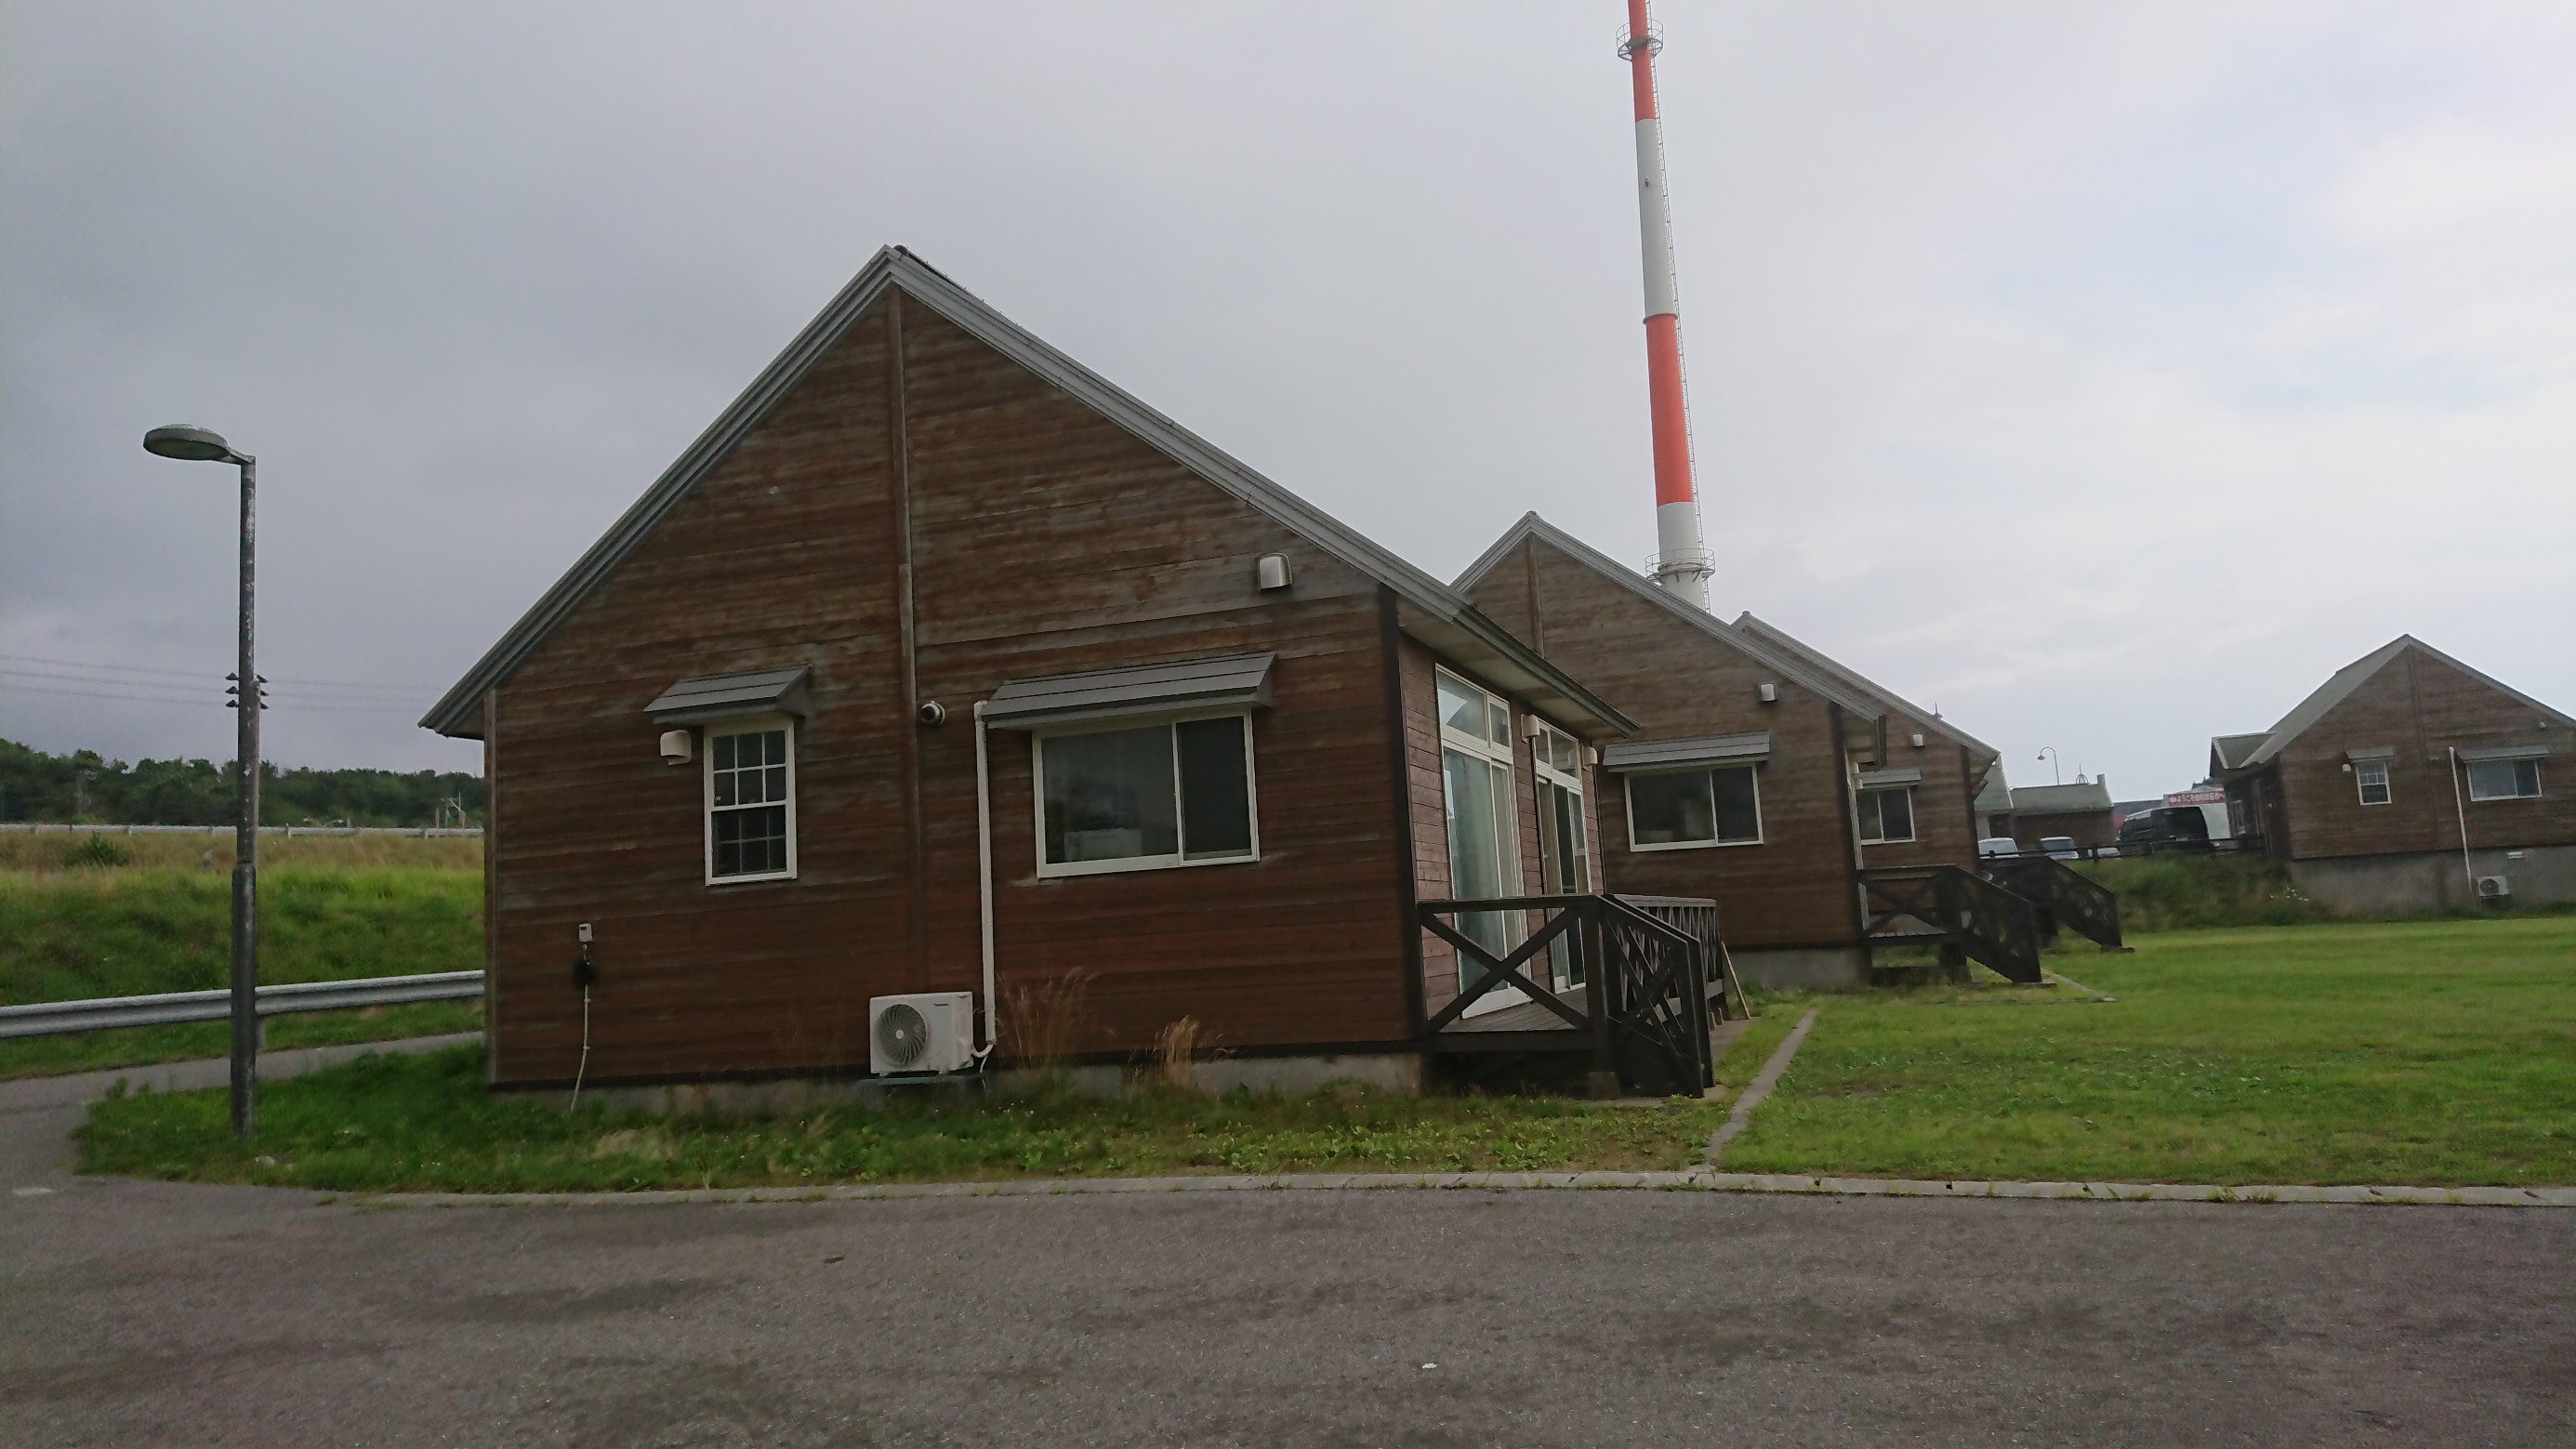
(2065, 896)
(1642, 1010)
(1943, 905)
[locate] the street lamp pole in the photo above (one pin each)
(201, 445)
(2048, 753)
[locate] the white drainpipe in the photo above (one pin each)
(984, 878)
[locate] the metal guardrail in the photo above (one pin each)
(105, 1013)
(414, 832)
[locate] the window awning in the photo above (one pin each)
(722, 696)
(2504, 752)
(1625, 755)
(1879, 779)
(1237, 680)
(2375, 752)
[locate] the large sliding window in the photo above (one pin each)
(1484, 843)
(2504, 780)
(751, 801)
(1682, 809)
(1139, 797)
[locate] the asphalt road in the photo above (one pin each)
(148, 1313)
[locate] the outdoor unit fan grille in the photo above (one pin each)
(902, 1035)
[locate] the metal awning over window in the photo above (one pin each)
(1237, 680)
(2504, 752)
(1743, 749)
(2375, 752)
(723, 696)
(1880, 779)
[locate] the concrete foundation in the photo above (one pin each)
(1826, 968)
(2433, 882)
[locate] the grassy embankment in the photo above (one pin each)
(2419, 1052)
(132, 915)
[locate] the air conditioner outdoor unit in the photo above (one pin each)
(928, 1031)
(2493, 888)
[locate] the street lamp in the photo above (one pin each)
(2048, 753)
(202, 445)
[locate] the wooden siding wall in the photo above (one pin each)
(1793, 889)
(1043, 540)
(1945, 814)
(2423, 707)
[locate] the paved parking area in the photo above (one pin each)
(141, 1313)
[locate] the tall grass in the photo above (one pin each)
(66, 935)
(43, 852)
(2187, 892)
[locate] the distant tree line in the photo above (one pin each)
(81, 786)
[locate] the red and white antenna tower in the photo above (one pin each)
(1681, 559)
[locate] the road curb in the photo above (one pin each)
(1694, 1180)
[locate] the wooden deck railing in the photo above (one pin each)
(1642, 1010)
(2065, 896)
(1953, 908)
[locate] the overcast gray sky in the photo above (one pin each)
(2107, 375)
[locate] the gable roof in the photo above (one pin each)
(1788, 664)
(1888, 699)
(2229, 750)
(1441, 616)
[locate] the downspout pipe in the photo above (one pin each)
(984, 879)
(2460, 811)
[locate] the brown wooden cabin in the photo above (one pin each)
(2080, 812)
(1827, 818)
(739, 740)
(2406, 781)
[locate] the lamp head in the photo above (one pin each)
(190, 443)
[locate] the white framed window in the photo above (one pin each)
(1694, 809)
(2504, 779)
(1483, 814)
(2370, 778)
(751, 800)
(1564, 844)
(1886, 815)
(1129, 796)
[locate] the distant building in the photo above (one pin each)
(2410, 781)
(2081, 812)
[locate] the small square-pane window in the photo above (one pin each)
(2372, 779)
(750, 815)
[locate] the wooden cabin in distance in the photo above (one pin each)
(2405, 781)
(939, 664)
(1820, 812)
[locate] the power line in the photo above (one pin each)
(115, 669)
(289, 703)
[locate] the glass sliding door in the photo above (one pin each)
(1484, 834)
(1564, 847)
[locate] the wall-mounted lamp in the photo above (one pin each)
(678, 747)
(932, 714)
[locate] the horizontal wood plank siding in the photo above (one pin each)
(1044, 540)
(1678, 681)
(2424, 707)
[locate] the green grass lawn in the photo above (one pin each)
(71, 934)
(2431, 1052)
(393, 1123)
